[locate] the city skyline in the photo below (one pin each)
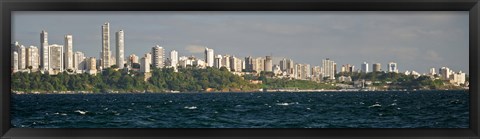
(408, 58)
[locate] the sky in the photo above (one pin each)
(415, 40)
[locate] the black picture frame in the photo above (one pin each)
(7, 6)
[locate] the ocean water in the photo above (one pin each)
(418, 109)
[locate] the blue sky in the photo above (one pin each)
(415, 40)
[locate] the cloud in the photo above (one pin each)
(195, 48)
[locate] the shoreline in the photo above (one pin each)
(257, 91)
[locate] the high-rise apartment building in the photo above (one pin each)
(79, 62)
(392, 67)
(120, 44)
(14, 61)
(458, 78)
(44, 51)
(68, 52)
(56, 58)
(22, 57)
(226, 62)
(174, 59)
(316, 73)
(328, 68)
(32, 58)
(290, 66)
(445, 72)
(268, 63)
(347, 68)
(377, 67)
(432, 71)
(234, 64)
(283, 64)
(92, 65)
(106, 53)
(158, 55)
(133, 58)
(248, 64)
(303, 71)
(258, 64)
(209, 57)
(144, 65)
(365, 67)
(218, 61)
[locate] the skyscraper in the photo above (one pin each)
(328, 68)
(173, 58)
(268, 63)
(377, 67)
(347, 68)
(218, 61)
(365, 67)
(334, 68)
(209, 57)
(120, 49)
(432, 71)
(316, 71)
(290, 67)
(249, 63)
(22, 57)
(44, 51)
(68, 52)
(92, 65)
(32, 58)
(79, 62)
(445, 72)
(133, 58)
(144, 65)
(106, 55)
(233, 63)
(56, 58)
(226, 62)
(15, 61)
(283, 64)
(392, 67)
(158, 55)
(258, 64)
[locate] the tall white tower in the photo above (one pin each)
(56, 58)
(106, 55)
(158, 55)
(209, 57)
(68, 52)
(79, 61)
(365, 67)
(32, 57)
(328, 68)
(120, 49)
(432, 71)
(44, 51)
(173, 58)
(15, 61)
(22, 57)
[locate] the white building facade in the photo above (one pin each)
(158, 55)
(106, 53)
(120, 44)
(209, 57)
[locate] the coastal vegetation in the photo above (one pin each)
(392, 80)
(193, 79)
(185, 80)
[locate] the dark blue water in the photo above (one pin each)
(420, 109)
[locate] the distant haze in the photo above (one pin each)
(415, 40)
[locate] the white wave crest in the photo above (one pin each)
(190, 107)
